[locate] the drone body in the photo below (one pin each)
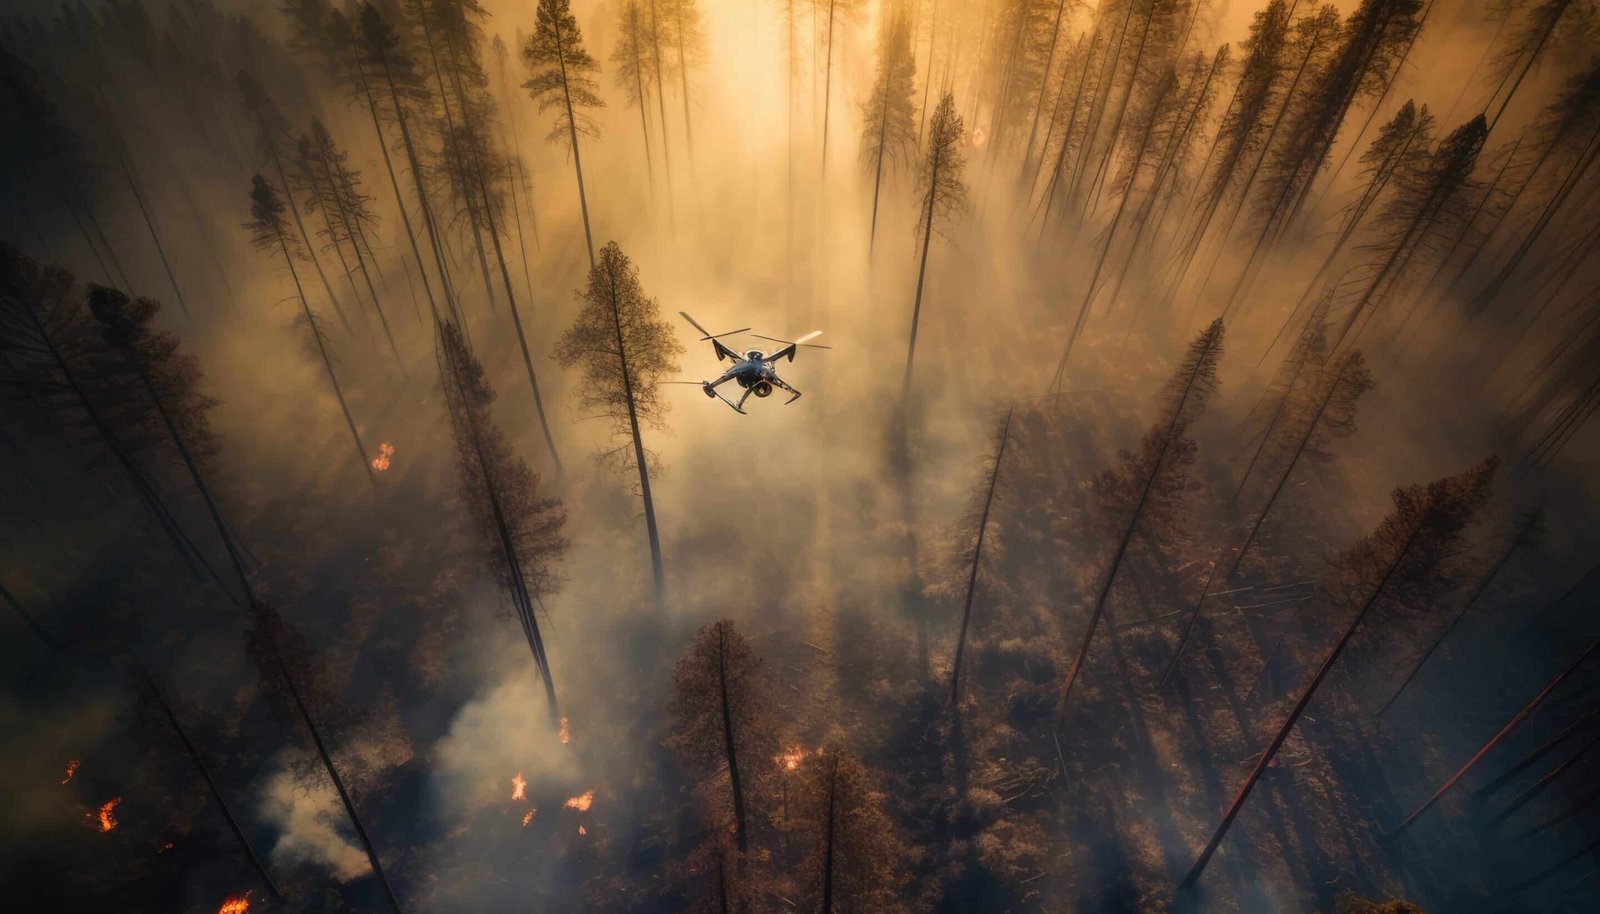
(753, 370)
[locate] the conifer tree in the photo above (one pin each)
(1404, 562)
(685, 36)
(853, 860)
(888, 134)
(270, 233)
(560, 79)
(980, 532)
(624, 349)
(721, 722)
(944, 195)
(631, 57)
(519, 529)
(1150, 483)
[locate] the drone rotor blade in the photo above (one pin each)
(729, 333)
(695, 324)
(810, 336)
(800, 342)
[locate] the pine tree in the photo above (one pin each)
(270, 232)
(685, 35)
(981, 530)
(888, 134)
(944, 195)
(624, 349)
(721, 722)
(631, 57)
(1433, 197)
(837, 10)
(272, 133)
(1147, 486)
(853, 860)
(1402, 563)
(560, 79)
(519, 530)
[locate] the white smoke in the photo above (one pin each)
(308, 821)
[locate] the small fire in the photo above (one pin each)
(566, 732)
(790, 759)
(381, 462)
(581, 802)
(104, 817)
(582, 830)
(519, 787)
(72, 769)
(236, 904)
(528, 816)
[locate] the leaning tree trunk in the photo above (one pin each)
(583, 204)
(212, 788)
(728, 744)
(977, 560)
(1278, 739)
(657, 574)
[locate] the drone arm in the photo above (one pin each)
(779, 382)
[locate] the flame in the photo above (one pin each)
(236, 904)
(381, 462)
(581, 802)
(528, 816)
(566, 732)
(582, 830)
(104, 817)
(519, 787)
(72, 769)
(790, 758)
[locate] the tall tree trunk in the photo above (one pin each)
(977, 560)
(827, 86)
(828, 839)
(658, 576)
(1127, 537)
(212, 788)
(327, 363)
(394, 182)
(728, 745)
(922, 272)
(1511, 724)
(583, 199)
(661, 109)
(1278, 739)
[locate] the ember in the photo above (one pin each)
(566, 732)
(381, 462)
(107, 821)
(72, 769)
(519, 787)
(528, 816)
(790, 759)
(236, 904)
(582, 802)
(582, 830)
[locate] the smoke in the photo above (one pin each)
(310, 823)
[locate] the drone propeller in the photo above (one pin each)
(707, 334)
(799, 342)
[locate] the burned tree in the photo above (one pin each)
(560, 78)
(981, 530)
(270, 232)
(852, 863)
(519, 530)
(943, 196)
(720, 721)
(888, 130)
(631, 58)
(1402, 563)
(624, 349)
(1152, 482)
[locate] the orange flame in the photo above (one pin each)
(566, 732)
(381, 462)
(582, 830)
(790, 758)
(581, 802)
(528, 816)
(236, 904)
(519, 787)
(104, 817)
(72, 769)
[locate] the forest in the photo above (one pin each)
(1191, 508)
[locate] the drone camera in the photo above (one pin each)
(763, 389)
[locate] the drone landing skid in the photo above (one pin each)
(712, 392)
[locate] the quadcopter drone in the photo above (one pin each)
(752, 370)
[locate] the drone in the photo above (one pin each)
(753, 369)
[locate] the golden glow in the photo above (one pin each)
(385, 452)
